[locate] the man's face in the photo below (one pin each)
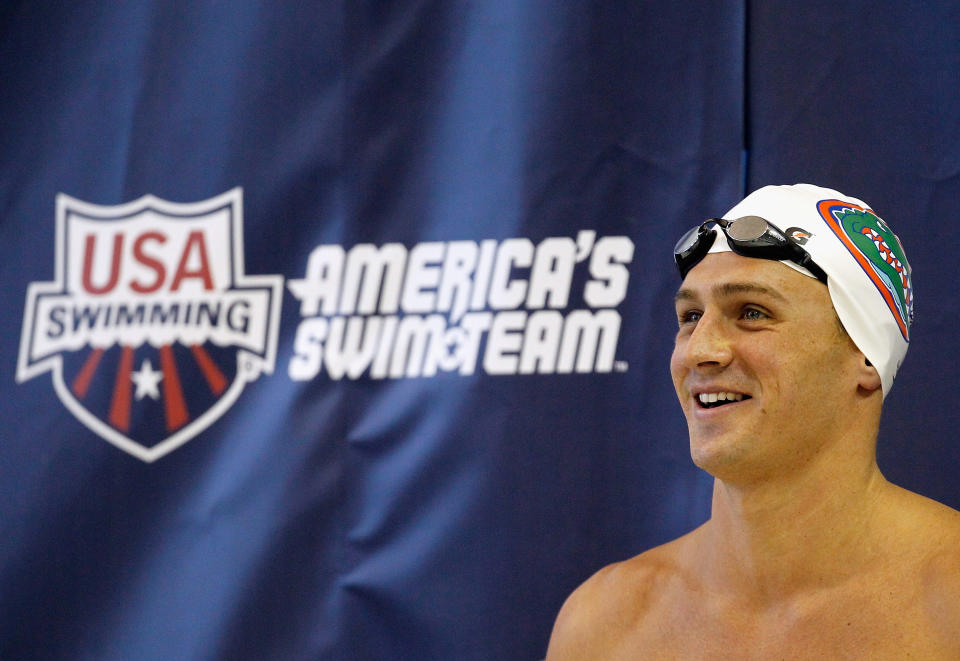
(760, 366)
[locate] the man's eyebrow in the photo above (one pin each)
(683, 295)
(727, 289)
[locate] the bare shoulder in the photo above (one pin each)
(941, 576)
(934, 534)
(933, 528)
(612, 604)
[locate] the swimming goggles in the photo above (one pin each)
(749, 236)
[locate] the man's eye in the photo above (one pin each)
(689, 317)
(753, 314)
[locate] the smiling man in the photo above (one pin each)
(794, 315)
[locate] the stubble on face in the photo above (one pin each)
(762, 331)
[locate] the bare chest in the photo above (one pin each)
(883, 622)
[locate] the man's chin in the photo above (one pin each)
(721, 455)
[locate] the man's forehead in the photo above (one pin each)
(728, 274)
(728, 289)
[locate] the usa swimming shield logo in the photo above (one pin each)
(151, 328)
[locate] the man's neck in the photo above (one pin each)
(778, 538)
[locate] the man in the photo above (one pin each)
(793, 318)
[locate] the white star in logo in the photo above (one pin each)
(146, 380)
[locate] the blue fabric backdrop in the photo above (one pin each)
(285, 510)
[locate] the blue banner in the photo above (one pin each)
(341, 330)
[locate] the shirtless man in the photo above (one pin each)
(809, 553)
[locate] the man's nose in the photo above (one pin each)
(710, 343)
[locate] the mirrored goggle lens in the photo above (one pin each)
(688, 242)
(748, 228)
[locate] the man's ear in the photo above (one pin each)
(868, 378)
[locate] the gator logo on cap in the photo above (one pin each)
(878, 251)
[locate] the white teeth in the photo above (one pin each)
(712, 397)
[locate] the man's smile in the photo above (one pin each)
(709, 400)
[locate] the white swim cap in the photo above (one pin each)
(868, 275)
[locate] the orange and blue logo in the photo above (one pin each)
(878, 251)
